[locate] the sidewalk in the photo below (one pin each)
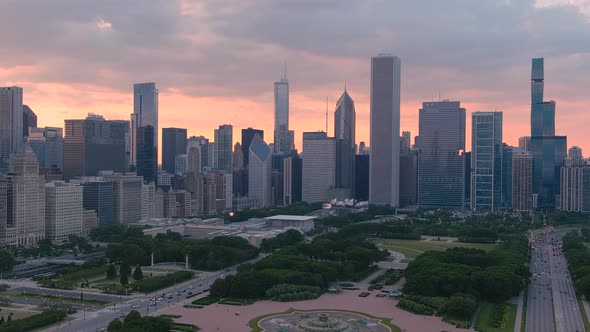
(519, 308)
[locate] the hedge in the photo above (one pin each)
(152, 284)
(415, 307)
(34, 322)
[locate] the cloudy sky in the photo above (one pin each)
(215, 60)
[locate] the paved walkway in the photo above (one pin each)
(586, 306)
(519, 308)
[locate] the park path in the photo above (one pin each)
(519, 309)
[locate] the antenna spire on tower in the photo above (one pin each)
(285, 71)
(326, 115)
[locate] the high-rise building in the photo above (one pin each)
(575, 188)
(237, 158)
(64, 214)
(575, 156)
(204, 147)
(240, 175)
(318, 167)
(174, 142)
(405, 142)
(89, 221)
(524, 143)
(165, 203)
(11, 123)
(223, 148)
(145, 113)
(361, 177)
(292, 168)
(48, 145)
(486, 161)
(247, 137)
(549, 151)
(25, 224)
(344, 131)
(4, 221)
(522, 180)
(127, 197)
(193, 156)
(148, 196)
(180, 164)
(363, 149)
(29, 119)
(408, 177)
(94, 144)
(259, 172)
(441, 160)
(146, 153)
(385, 125)
(98, 196)
(507, 175)
(283, 137)
(183, 204)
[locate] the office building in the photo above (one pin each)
(486, 161)
(29, 119)
(127, 197)
(575, 156)
(11, 123)
(363, 149)
(146, 157)
(180, 164)
(549, 151)
(64, 214)
(259, 172)
(575, 188)
(25, 220)
(318, 167)
(204, 146)
(408, 177)
(522, 180)
(361, 177)
(183, 204)
(148, 193)
(247, 137)
(145, 113)
(441, 160)
(94, 144)
(283, 137)
(174, 143)
(385, 126)
(165, 203)
(507, 175)
(98, 196)
(344, 132)
(4, 189)
(193, 156)
(405, 142)
(223, 148)
(292, 178)
(90, 221)
(48, 145)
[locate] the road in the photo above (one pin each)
(551, 301)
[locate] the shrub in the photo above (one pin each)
(33, 322)
(415, 307)
(155, 283)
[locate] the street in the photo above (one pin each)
(552, 304)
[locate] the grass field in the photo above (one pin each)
(484, 321)
(16, 314)
(414, 248)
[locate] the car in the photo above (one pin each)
(122, 316)
(152, 303)
(159, 299)
(381, 295)
(135, 306)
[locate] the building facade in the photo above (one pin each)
(174, 143)
(283, 137)
(259, 172)
(98, 196)
(344, 131)
(522, 180)
(575, 188)
(146, 153)
(11, 123)
(292, 178)
(441, 160)
(127, 197)
(384, 131)
(318, 167)
(223, 148)
(145, 113)
(64, 214)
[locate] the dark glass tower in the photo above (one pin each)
(247, 137)
(173, 144)
(344, 131)
(146, 153)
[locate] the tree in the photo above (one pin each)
(132, 316)
(124, 278)
(111, 272)
(138, 274)
(125, 269)
(115, 325)
(6, 261)
(1, 320)
(45, 246)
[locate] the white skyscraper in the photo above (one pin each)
(64, 214)
(11, 123)
(283, 137)
(260, 171)
(385, 126)
(145, 113)
(319, 167)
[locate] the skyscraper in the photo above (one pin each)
(29, 119)
(524, 143)
(344, 131)
(385, 124)
(361, 177)
(223, 147)
(11, 123)
(522, 180)
(146, 153)
(145, 113)
(247, 137)
(127, 197)
(193, 155)
(259, 172)
(26, 199)
(173, 143)
(441, 147)
(574, 156)
(94, 144)
(292, 169)
(318, 167)
(507, 151)
(549, 151)
(408, 178)
(48, 144)
(486, 161)
(283, 137)
(64, 214)
(98, 196)
(405, 142)
(575, 188)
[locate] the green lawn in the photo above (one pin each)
(414, 248)
(54, 298)
(484, 321)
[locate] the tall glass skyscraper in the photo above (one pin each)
(223, 147)
(145, 113)
(549, 151)
(11, 123)
(486, 161)
(173, 144)
(283, 137)
(344, 131)
(441, 160)
(385, 115)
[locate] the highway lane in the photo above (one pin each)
(539, 316)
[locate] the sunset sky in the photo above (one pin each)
(215, 61)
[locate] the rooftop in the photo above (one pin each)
(288, 217)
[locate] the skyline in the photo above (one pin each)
(74, 76)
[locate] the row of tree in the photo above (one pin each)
(577, 254)
(287, 238)
(134, 322)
